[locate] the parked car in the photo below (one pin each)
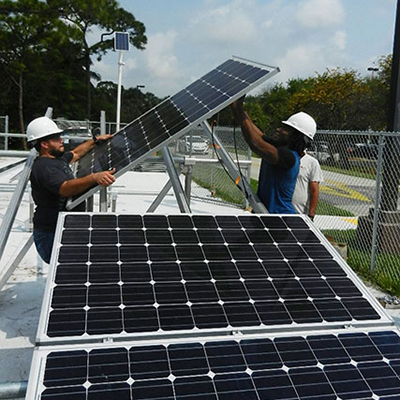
(194, 144)
(363, 150)
(320, 151)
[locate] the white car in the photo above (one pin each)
(193, 144)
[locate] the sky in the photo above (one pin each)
(188, 38)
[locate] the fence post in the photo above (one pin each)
(6, 132)
(377, 203)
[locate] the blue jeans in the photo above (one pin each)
(44, 244)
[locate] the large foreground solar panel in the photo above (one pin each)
(306, 366)
(173, 117)
(143, 275)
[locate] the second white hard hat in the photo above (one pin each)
(303, 123)
(40, 128)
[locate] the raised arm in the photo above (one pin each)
(79, 151)
(253, 135)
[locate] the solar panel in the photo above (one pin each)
(135, 275)
(121, 41)
(173, 117)
(309, 366)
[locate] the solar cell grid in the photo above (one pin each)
(173, 270)
(324, 366)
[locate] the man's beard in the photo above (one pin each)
(56, 153)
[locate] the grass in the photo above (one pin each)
(386, 272)
(208, 175)
(354, 171)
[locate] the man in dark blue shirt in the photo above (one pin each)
(280, 155)
(52, 180)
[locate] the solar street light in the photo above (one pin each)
(121, 43)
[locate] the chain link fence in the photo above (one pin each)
(212, 182)
(359, 207)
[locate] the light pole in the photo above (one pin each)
(372, 69)
(121, 43)
(140, 87)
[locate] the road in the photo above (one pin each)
(351, 193)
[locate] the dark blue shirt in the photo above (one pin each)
(276, 186)
(47, 176)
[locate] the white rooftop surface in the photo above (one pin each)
(21, 297)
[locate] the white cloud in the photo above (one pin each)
(300, 61)
(320, 13)
(224, 24)
(339, 40)
(159, 55)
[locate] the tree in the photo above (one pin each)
(84, 15)
(25, 28)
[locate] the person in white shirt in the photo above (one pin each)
(306, 192)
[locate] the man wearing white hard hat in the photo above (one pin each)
(52, 180)
(280, 154)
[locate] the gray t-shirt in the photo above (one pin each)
(310, 171)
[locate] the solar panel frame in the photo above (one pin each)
(102, 219)
(270, 72)
(121, 41)
(349, 364)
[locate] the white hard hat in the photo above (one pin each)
(303, 123)
(40, 128)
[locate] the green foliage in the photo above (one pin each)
(338, 99)
(45, 59)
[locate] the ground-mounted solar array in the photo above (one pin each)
(308, 367)
(136, 274)
(174, 116)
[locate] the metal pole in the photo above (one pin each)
(102, 122)
(160, 197)
(13, 390)
(391, 171)
(6, 132)
(377, 203)
(258, 206)
(120, 64)
(176, 183)
(12, 209)
(49, 112)
(188, 178)
(103, 199)
(90, 204)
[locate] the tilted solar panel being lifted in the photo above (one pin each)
(173, 117)
(307, 366)
(136, 275)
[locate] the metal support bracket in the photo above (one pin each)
(15, 202)
(176, 183)
(240, 180)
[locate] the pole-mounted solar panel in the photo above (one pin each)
(121, 41)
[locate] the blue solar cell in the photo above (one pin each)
(286, 367)
(121, 41)
(170, 272)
